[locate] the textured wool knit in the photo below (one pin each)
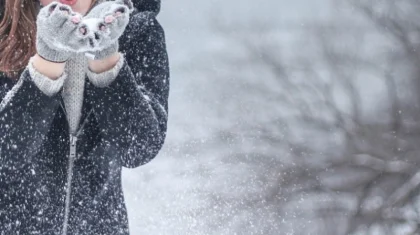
(73, 83)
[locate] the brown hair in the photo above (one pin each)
(17, 35)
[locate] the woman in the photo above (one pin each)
(84, 88)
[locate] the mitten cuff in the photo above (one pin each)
(51, 55)
(47, 85)
(100, 55)
(104, 79)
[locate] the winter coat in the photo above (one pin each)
(123, 125)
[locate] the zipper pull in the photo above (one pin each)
(73, 140)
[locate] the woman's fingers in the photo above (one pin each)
(83, 30)
(120, 10)
(90, 33)
(59, 14)
(95, 31)
(127, 3)
(76, 19)
(109, 19)
(102, 27)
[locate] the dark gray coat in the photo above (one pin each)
(124, 126)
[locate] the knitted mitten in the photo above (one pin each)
(58, 32)
(105, 23)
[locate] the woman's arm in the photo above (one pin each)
(132, 110)
(27, 109)
(100, 66)
(48, 76)
(49, 69)
(26, 114)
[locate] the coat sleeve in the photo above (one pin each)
(26, 114)
(132, 111)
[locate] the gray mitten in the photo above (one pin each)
(58, 32)
(105, 24)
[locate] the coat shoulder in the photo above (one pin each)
(142, 34)
(5, 82)
(141, 24)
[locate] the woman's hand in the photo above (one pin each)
(59, 32)
(107, 23)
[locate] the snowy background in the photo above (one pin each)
(286, 117)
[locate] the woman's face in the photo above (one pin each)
(80, 6)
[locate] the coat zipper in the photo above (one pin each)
(72, 157)
(73, 142)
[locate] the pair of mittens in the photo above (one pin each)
(62, 32)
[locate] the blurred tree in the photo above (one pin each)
(328, 131)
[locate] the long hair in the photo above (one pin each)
(17, 34)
